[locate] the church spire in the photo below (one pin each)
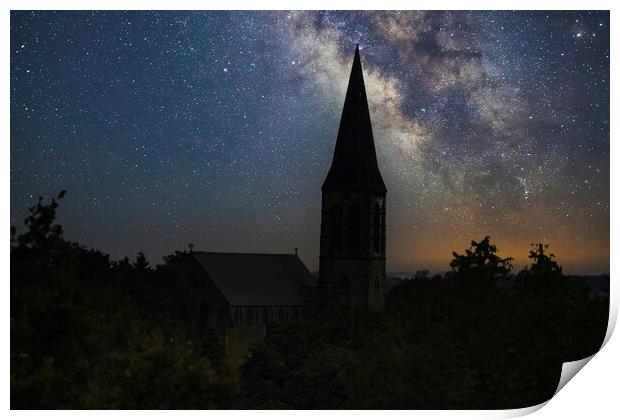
(354, 165)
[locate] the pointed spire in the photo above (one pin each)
(354, 165)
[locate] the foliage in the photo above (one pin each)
(461, 341)
(480, 265)
(141, 264)
(42, 233)
(87, 332)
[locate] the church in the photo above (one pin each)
(245, 292)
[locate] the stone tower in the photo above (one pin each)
(352, 254)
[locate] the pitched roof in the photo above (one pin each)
(354, 165)
(257, 279)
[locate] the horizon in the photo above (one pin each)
(214, 128)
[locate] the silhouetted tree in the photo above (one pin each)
(90, 333)
(544, 275)
(481, 262)
(176, 258)
(552, 305)
(87, 332)
(542, 262)
(141, 264)
(42, 233)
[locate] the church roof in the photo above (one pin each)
(257, 279)
(354, 165)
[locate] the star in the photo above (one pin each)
(169, 127)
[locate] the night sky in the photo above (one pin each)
(218, 128)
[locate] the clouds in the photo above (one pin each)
(454, 127)
(399, 26)
(485, 123)
(326, 66)
(445, 63)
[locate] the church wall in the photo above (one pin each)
(217, 307)
(246, 322)
(258, 315)
(360, 282)
(365, 203)
(354, 272)
(250, 321)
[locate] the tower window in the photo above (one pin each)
(377, 229)
(383, 228)
(335, 234)
(353, 229)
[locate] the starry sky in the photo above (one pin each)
(218, 128)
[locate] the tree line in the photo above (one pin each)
(90, 332)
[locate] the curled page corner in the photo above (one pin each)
(569, 370)
(520, 412)
(614, 302)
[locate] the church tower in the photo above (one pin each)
(352, 254)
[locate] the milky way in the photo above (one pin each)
(217, 128)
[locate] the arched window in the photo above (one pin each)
(281, 314)
(296, 313)
(265, 316)
(335, 231)
(377, 229)
(353, 229)
(383, 228)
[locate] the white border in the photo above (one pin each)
(593, 394)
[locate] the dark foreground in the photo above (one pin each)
(87, 332)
